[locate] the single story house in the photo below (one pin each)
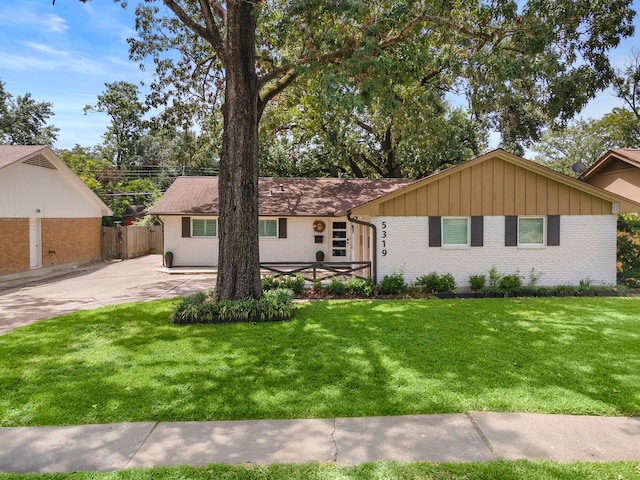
(499, 210)
(298, 217)
(617, 171)
(48, 216)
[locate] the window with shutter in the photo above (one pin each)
(204, 227)
(268, 228)
(455, 232)
(435, 226)
(282, 228)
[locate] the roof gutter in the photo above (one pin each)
(374, 247)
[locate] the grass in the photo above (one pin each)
(334, 359)
(498, 470)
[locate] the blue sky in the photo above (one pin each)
(65, 53)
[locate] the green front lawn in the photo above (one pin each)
(498, 470)
(334, 359)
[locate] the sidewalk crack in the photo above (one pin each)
(142, 444)
(335, 443)
(484, 438)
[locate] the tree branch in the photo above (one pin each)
(210, 34)
(275, 88)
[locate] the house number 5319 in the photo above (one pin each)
(384, 239)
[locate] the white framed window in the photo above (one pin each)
(204, 227)
(455, 231)
(531, 231)
(268, 228)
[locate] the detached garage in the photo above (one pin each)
(48, 216)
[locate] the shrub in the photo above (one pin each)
(510, 283)
(494, 277)
(393, 284)
(430, 282)
(296, 283)
(477, 282)
(437, 283)
(336, 287)
(354, 286)
(202, 308)
(359, 287)
(447, 283)
(534, 277)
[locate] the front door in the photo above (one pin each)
(339, 241)
(35, 242)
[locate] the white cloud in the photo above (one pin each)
(30, 15)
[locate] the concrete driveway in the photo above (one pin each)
(86, 288)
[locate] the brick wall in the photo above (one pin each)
(14, 245)
(587, 250)
(72, 239)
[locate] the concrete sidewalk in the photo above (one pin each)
(478, 436)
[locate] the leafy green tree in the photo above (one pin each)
(626, 84)
(23, 121)
(403, 131)
(88, 166)
(586, 141)
(521, 67)
(122, 140)
(628, 264)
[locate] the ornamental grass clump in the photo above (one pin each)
(202, 308)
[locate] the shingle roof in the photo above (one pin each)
(279, 196)
(12, 153)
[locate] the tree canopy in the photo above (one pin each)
(23, 121)
(585, 141)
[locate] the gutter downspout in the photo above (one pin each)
(374, 246)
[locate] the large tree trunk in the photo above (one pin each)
(239, 256)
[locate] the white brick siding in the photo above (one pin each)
(299, 246)
(587, 250)
(188, 252)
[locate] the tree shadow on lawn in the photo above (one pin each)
(334, 359)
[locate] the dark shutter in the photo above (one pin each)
(282, 228)
(511, 231)
(435, 231)
(477, 231)
(186, 227)
(553, 230)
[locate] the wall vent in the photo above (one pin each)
(614, 165)
(40, 161)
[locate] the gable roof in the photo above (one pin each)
(13, 153)
(614, 159)
(44, 156)
(498, 183)
(278, 196)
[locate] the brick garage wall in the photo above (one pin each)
(74, 240)
(14, 245)
(587, 250)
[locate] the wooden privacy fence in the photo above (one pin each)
(130, 242)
